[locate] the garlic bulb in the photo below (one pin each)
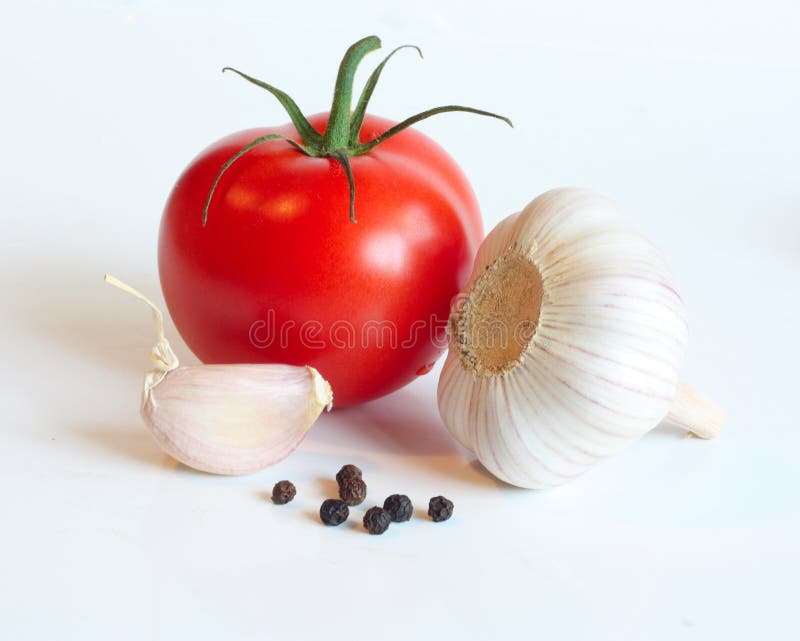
(565, 344)
(227, 419)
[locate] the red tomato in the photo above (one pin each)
(280, 274)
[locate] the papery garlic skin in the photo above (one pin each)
(234, 419)
(600, 369)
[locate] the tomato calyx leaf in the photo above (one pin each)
(363, 148)
(309, 135)
(357, 118)
(340, 140)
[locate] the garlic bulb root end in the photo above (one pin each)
(496, 320)
(695, 413)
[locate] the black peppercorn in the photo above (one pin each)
(440, 508)
(399, 507)
(347, 472)
(377, 520)
(283, 492)
(353, 491)
(333, 512)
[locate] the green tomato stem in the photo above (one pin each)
(337, 132)
(341, 138)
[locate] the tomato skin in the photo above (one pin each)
(278, 251)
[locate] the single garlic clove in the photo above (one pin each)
(226, 419)
(565, 343)
(234, 419)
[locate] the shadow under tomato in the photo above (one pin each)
(405, 422)
(405, 425)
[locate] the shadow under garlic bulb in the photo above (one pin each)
(565, 344)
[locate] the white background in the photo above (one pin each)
(685, 112)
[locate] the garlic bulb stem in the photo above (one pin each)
(695, 413)
(162, 356)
